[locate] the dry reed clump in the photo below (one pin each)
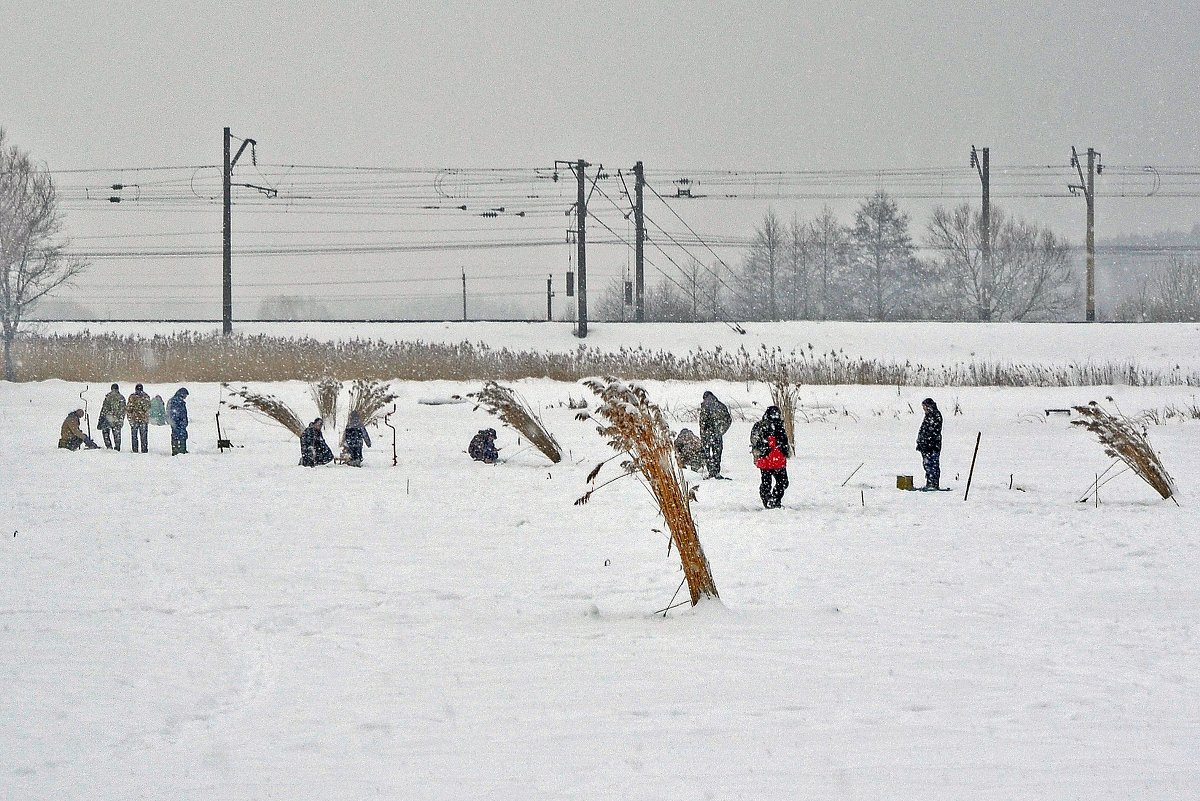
(1121, 440)
(637, 429)
(515, 412)
(325, 393)
(368, 398)
(270, 407)
(215, 358)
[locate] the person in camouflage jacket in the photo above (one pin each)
(138, 409)
(112, 418)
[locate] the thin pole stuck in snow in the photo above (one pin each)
(971, 474)
(852, 474)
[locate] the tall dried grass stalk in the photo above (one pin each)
(214, 358)
(516, 412)
(637, 429)
(325, 394)
(368, 399)
(1121, 439)
(786, 396)
(270, 407)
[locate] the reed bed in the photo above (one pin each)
(516, 412)
(637, 429)
(1121, 439)
(259, 358)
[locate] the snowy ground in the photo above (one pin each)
(232, 626)
(1161, 346)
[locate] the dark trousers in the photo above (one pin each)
(115, 441)
(713, 444)
(178, 442)
(932, 462)
(355, 454)
(137, 432)
(774, 483)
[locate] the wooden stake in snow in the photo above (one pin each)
(971, 475)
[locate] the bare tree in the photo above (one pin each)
(829, 248)
(33, 257)
(1170, 297)
(799, 247)
(761, 271)
(1030, 276)
(886, 279)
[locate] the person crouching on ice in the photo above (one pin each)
(771, 448)
(929, 443)
(314, 450)
(483, 447)
(71, 436)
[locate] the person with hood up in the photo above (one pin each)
(769, 443)
(177, 416)
(353, 438)
(139, 418)
(314, 451)
(714, 422)
(483, 447)
(158, 411)
(71, 436)
(112, 418)
(929, 445)
(690, 450)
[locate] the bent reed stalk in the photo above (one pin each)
(260, 358)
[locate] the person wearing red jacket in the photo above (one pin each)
(771, 448)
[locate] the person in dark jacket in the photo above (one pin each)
(353, 438)
(112, 418)
(929, 444)
(71, 436)
(483, 447)
(177, 416)
(690, 450)
(139, 418)
(314, 451)
(769, 443)
(714, 422)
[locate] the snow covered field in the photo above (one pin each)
(1159, 345)
(232, 626)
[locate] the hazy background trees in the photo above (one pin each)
(33, 261)
(1172, 295)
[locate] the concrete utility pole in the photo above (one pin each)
(983, 167)
(639, 264)
(464, 282)
(580, 236)
(1088, 187)
(550, 298)
(227, 231)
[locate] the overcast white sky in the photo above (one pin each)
(796, 85)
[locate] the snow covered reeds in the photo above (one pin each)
(215, 358)
(1121, 439)
(368, 398)
(516, 412)
(637, 429)
(325, 394)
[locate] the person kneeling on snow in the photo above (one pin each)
(690, 450)
(71, 436)
(314, 450)
(769, 443)
(483, 447)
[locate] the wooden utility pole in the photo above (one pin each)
(639, 223)
(1088, 187)
(981, 161)
(581, 240)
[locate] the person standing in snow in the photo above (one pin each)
(139, 418)
(483, 447)
(769, 443)
(714, 422)
(158, 411)
(177, 416)
(314, 451)
(112, 418)
(929, 444)
(690, 450)
(354, 437)
(71, 436)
